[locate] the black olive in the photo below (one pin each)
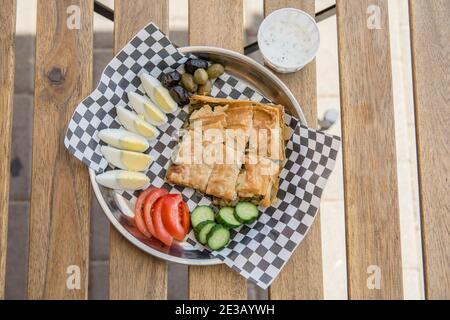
(180, 95)
(193, 64)
(171, 79)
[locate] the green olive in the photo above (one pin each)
(215, 70)
(200, 76)
(205, 89)
(187, 81)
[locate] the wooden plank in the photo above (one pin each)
(369, 155)
(133, 273)
(302, 277)
(7, 32)
(204, 29)
(430, 57)
(217, 23)
(60, 196)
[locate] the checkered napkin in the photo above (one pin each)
(258, 251)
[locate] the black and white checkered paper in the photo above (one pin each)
(258, 251)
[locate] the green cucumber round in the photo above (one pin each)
(218, 237)
(203, 231)
(226, 218)
(201, 214)
(246, 212)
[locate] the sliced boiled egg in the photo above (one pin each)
(143, 105)
(158, 93)
(136, 123)
(124, 139)
(127, 160)
(123, 180)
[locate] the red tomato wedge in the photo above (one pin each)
(186, 217)
(154, 195)
(175, 216)
(138, 219)
(160, 231)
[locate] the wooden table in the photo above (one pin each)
(60, 202)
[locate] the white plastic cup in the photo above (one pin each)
(306, 40)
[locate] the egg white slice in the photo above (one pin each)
(123, 180)
(124, 139)
(127, 160)
(158, 93)
(135, 123)
(143, 105)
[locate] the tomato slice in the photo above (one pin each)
(175, 216)
(138, 219)
(185, 217)
(162, 215)
(154, 195)
(160, 231)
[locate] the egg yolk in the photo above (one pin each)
(135, 161)
(132, 144)
(163, 99)
(154, 113)
(144, 129)
(132, 180)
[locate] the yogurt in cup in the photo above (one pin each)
(288, 39)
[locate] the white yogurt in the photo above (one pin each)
(288, 39)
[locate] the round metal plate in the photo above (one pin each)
(120, 212)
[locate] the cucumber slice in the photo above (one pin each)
(218, 237)
(227, 219)
(206, 227)
(201, 225)
(200, 214)
(246, 212)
